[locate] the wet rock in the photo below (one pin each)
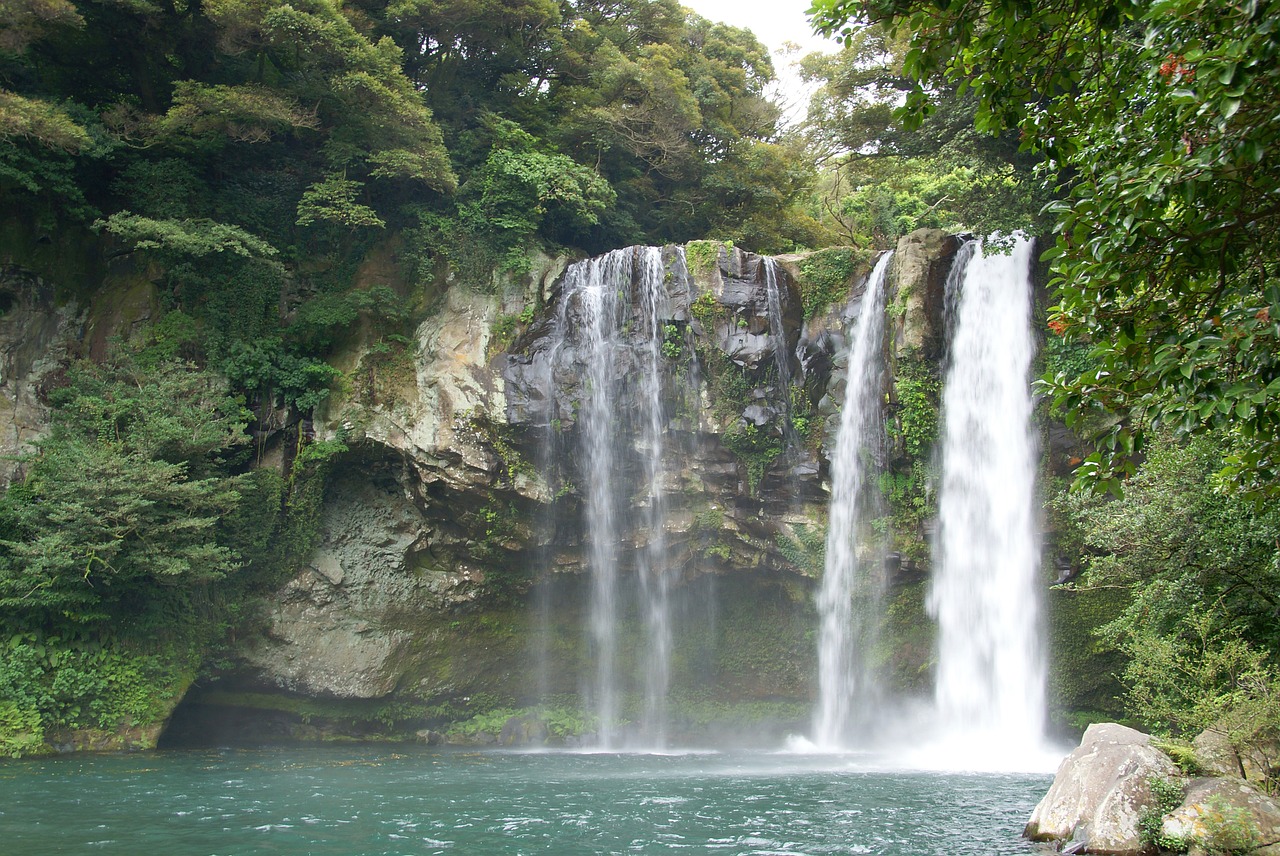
(1100, 791)
(528, 730)
(331, 628)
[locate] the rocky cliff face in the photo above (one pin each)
(35, 337)
(452, 560)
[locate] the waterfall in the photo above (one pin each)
(653, 572)
(849, 600)
(595, 285)
(613, 316)
(781, 359)
(991, 672)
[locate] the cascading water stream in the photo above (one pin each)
(593, 284)
(620, 414)
(852, 587)
(781, 359)
(654, 581)
(991, 672)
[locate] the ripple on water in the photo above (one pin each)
(366, 802)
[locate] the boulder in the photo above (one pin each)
(528, 730)
(1100, 791)
(1224, 816)
(1256, 760)
(1216, 755)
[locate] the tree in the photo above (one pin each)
(1201, 571)
(126, 495)
(1155, 119)
(881, 179)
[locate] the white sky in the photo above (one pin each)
(773, 22)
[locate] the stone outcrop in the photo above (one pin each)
(921, 264)
(1216, 755)
(36, 336)
(1102, 798)
(448, 500)
(1225, 815)
(329, 631)
(1100, 791)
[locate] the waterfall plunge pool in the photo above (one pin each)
(359, 801)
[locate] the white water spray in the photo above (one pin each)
(852, 586)
(991, 672)
(654, 581)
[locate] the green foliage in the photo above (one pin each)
(754, 447)
(1200, 569)
(41, 122)
(251, 114)
(1182, 753)
(912, 431)
(705, 308)
(1168, 794)
(561, 722)
(916, 392)
(21, 731)
(827, 276)
(805, 547)
(134, 541)
(906, 648)
(50, 684)
(882, 179)
(703, 257)
(333, 200)
(519, 185)
(125, 495)
(267, 367)
(178, 239)
(1064, 357)
(700, 711)
(672, 342)
(506, 328)
(1228, 829)
(1085, 667)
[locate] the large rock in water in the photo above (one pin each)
(1100, 790)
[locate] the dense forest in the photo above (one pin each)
(250, 153)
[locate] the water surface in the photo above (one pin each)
(414, 800)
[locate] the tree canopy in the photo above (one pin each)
(1156, 121)
(882, 179)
